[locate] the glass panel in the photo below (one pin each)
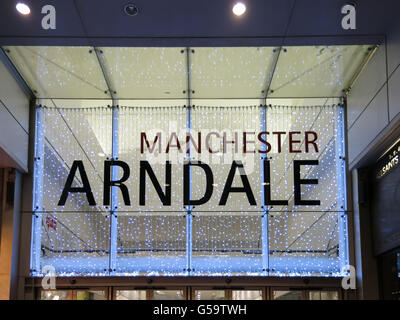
(131, 295)
(318, 71)
(287, 295)
(241, 72)
(60, 72)
(167, 122)
(209, 295)
(152, 237)
(56, 295)
(222, 131)
(227, 237)
(246, 295)
(74, 237)
(75, 134)
(75, 243)
(226, 244)
(155, 73)
(151, 244)
(90, 295)
(167, 295)
(324, 295)
(304, 239)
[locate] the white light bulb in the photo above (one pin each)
(23, 8)
(239, 8)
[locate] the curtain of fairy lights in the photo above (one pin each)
(308, 239)
(73, 238)
(228, 238)
(152, 238)
(238, 237)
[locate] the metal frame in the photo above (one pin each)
(189, 209)
(113, 210)
(342, 190)
(20, 80)
(37, 203)
(190, 284)
(265, 213)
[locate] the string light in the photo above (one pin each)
(152, 240)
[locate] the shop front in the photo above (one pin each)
(202, 164)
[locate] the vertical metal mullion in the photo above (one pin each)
(265, 213)
(114, 156)
(38, 192)
(342, 195)
(270, 76)
(189, 217)
(264, 221)
(114, 195)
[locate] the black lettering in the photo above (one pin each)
(77, 164)
(246, 185)
(267, 187)
(164, 197)
(298, 182)
(108, 183)
(209, 183)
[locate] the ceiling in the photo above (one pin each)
(196, 23)
(168, 73)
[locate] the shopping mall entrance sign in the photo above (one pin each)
(240, 144)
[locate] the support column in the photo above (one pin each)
(189, 217)
(342, 192)
(37, 193)
(114, 156)
(114, 194)
(264, 212)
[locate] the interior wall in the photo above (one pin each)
(14, 121)
(373, 124)
(9, 240)
(373, 105)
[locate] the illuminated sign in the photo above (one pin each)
(245, 143)
(389, 161)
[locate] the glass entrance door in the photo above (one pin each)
(389, 269)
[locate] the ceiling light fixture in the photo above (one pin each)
(239, 8)
(23, 8)
(131, 9)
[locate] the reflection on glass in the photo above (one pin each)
(287, 295)
(398, 264)
(90, 295)
(130, 295)
(246, 295)
(56, 295)
(60, 72)
(324, 295)
(168, 295)
(209, 295)
(72, 295)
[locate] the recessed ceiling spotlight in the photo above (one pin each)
(239, 8)
(131, 9)
(23, 8)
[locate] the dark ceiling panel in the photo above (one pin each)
(311, 18)
(194, 23)
(13, 24)
(183, 18)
